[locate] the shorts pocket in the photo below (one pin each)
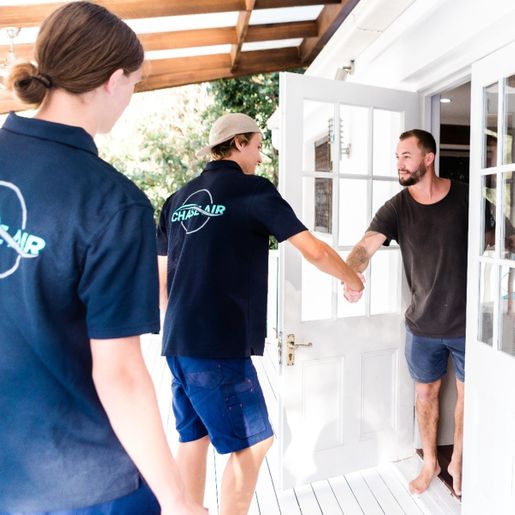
(204, 379)
(243, 403)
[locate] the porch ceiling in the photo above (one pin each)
(199, 40)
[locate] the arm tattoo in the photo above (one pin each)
(358, 258)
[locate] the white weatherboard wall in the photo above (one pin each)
(430, 43)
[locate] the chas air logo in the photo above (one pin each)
(15, 242)
(196, 211)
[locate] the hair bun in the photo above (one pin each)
(21, 82)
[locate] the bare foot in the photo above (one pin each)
(454, 470)
(420, 484)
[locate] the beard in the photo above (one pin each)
(413, 177)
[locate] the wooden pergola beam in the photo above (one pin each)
(248, 60)
(242, 26)
(270, 4)
(167, 73)
(290, 30)
(33, 15)
(162, 73)
(9, 103)
(258, 61)
(206, 37)
(328, 21)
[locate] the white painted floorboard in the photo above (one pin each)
(382, 490)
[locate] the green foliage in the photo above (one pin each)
(155, 142)
(255, 95)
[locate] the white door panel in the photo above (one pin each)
(347, 401)
(489, 446)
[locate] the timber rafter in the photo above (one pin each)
(163, 73)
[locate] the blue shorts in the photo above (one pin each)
(427, 357)
(221, 398)
(140, 502)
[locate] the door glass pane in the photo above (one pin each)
(388, 126)
(508, 231)
(317, 290)
(507, 337)
(316, 137)
(385, 282)
(324, 205)
(350, 309)
(317, 204)
(354, 140)
(383, 191)
(353, 211)
(490, 95)
(486, 302)
(509, 122)
(488, 218)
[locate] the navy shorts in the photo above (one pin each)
(221, 398)
(140, 502)
(427, 357)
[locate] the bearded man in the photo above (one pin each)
(429, 221)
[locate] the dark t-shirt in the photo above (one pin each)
(77, 261)
(433, 243)
(215, 232)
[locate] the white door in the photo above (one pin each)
(489, 451)
(347, 401)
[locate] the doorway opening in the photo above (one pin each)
(454, 159)
(454, 164)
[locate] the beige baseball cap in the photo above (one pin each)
(226, 127)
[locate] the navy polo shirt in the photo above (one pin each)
(215, 233)
(77, 261)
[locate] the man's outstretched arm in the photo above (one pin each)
(359, 258)
(325, 258)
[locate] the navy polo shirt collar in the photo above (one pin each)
(42, 129)
(223, 164)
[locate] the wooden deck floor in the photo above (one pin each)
(381, 490)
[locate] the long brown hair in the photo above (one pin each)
(78, 47)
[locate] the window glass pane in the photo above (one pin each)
(487, 295)
(354, 140)
(507, 337)
(383, 191)
(488, 188)
(316, 290)
(509, 122)
(490, 95)
(385, 282)
(318, 118)
(388, 126)
(508, 231)
(353, 211)
(350, 309)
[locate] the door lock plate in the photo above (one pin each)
(291, 346)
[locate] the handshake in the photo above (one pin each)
(353, 295)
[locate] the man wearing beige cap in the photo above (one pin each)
(213, 259)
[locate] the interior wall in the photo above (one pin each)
(454, 140)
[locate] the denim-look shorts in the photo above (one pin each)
(221, 398)
(427, 357)
(140, 502)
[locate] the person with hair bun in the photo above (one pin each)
(80, 428)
